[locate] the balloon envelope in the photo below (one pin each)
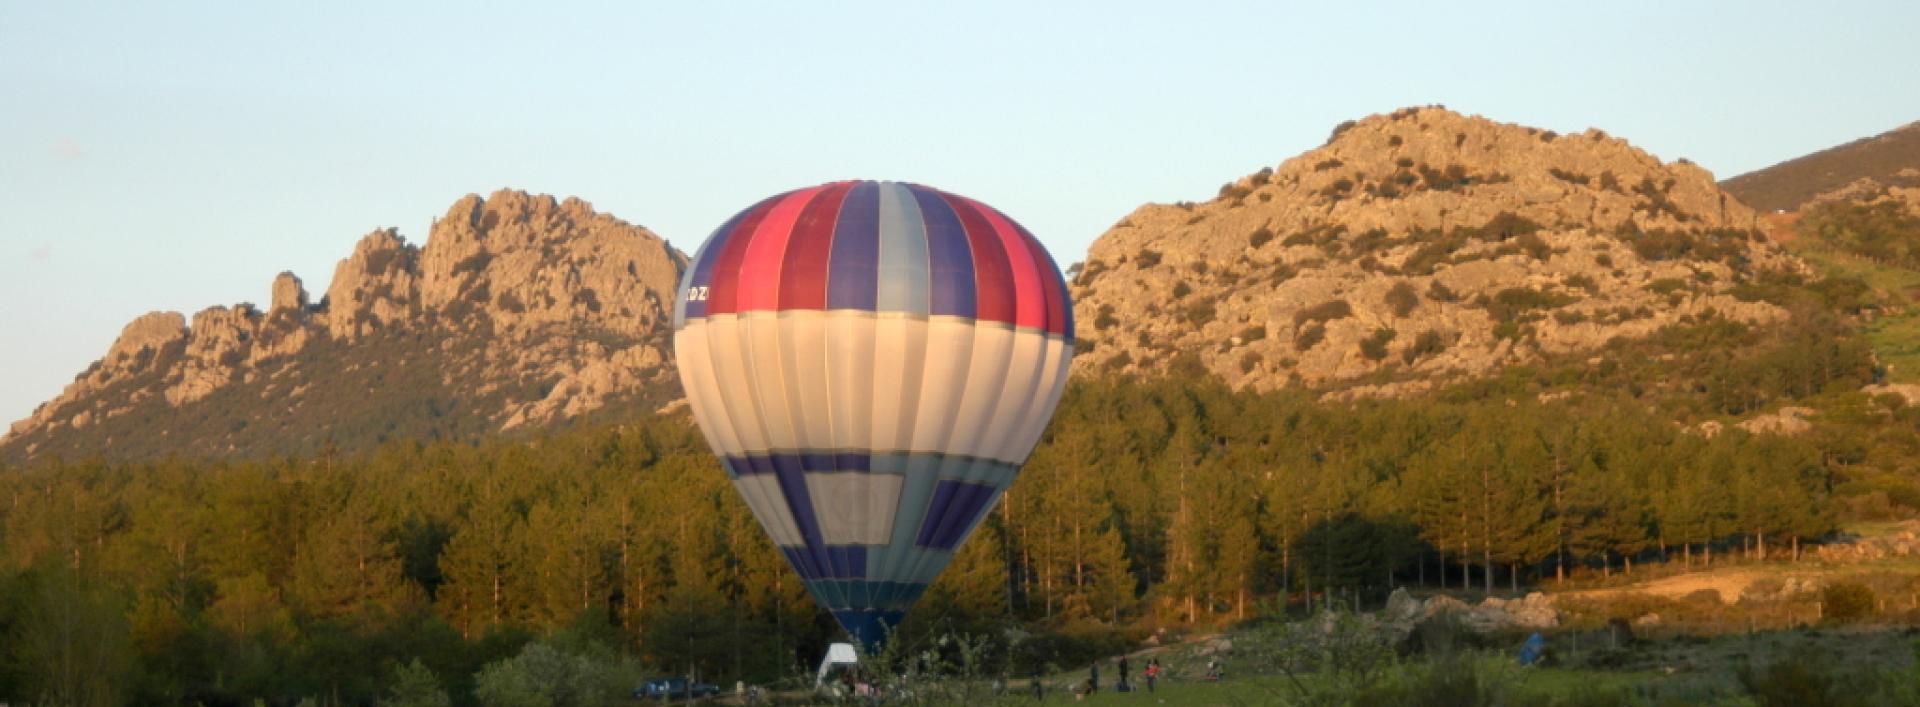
(871, 361)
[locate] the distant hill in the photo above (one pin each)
(1417, 247)
(1789, 185)
(519, 311)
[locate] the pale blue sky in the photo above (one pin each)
(178, 155)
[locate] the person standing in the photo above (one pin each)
(1039, 684)
(1093, 678)
(1123, 675)
(1152, 672)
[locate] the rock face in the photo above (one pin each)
(520, 310)
(1415, 247)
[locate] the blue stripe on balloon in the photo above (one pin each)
(956, 505)
(843, 562)
(950, 286)
(854, 263)
(851, 460)
(878, 595)
(793, 488)
(903, 252)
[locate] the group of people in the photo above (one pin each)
(1092, 683)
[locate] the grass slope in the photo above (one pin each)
(1895, 334)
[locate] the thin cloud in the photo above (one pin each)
(67, 148)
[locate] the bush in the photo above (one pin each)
(1338, 189)
(1507, 305)
(1449, 179)
(1402, 298)
(1199, 313)
(1252, 333)
(1324, 312)
(1428, 343)
(1507, 224)
(1260, 236)
(1374, 347)
(1146, 258)
(1846, 602)
(1309, 335)
(1180, 289)
(1249, 361)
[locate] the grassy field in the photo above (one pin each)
(1896, 335)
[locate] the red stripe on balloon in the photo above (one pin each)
(992, 272)
(1050, 280)
(803, 275)
(1030, 298)
(723, 288)
(760, 267)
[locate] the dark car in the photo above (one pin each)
(674, 689)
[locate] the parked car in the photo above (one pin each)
(674, 689)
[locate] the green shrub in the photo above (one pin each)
(1402, 298)
(1339, 189)
(1583, 282)
(1374, 347)
(1428, 343)
(1507, 224)
(1199, 313)
(1509, 304)
(1846, 602)
(1324, 312)
(1309, 335)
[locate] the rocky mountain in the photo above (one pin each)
(1417, 247)
(520, 310)
(1791, 184)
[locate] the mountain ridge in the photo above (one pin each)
(1419, 246)
(1791, 184)
(531, 309)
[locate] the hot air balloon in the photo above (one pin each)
(871, 362)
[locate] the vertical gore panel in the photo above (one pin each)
(853, 268)
(992, 272)
(950, 287)
(759, 288)
(903, 252)
(803, 275)
(1030, 301)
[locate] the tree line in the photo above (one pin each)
(1170, 500)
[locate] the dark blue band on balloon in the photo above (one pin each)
(843, 562)
(951, 290)
(854, 264)
(955, 506)
(847, 460)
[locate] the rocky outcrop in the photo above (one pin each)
(529, 309)
(374, 287)
(289, 295)
(1404, 612)
(1425, 245)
